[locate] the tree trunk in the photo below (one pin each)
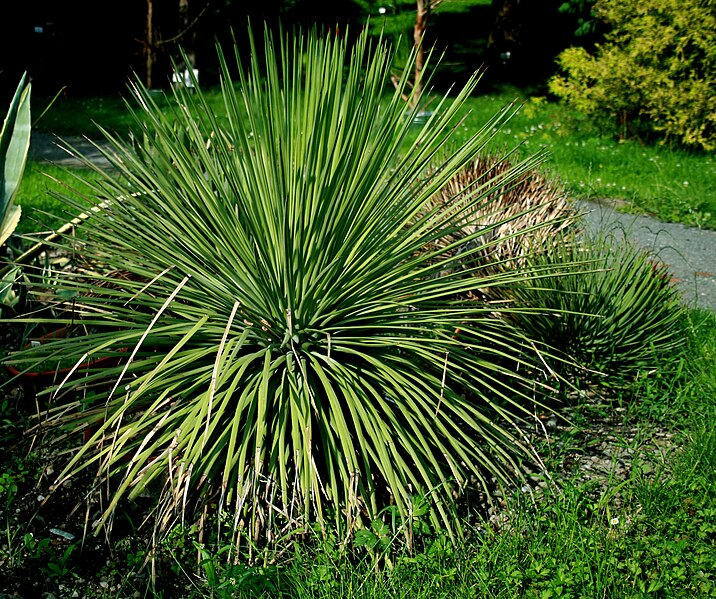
(421, 24)
(149, 49)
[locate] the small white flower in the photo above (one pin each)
(686, 183)
(614, 521)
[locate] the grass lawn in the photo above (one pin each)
(41, 211)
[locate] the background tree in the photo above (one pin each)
(583, 10)
(176, 17)
(516, 40)
(422, 14)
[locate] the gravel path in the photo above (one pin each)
(690, 253)
(47, 148)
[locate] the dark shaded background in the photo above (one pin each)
(92, 47)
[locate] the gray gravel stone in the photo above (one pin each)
(690, 253)
(50, 148)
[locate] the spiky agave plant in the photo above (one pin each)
(14, 145)
(286, 349)
(529, 210)
(608, 305)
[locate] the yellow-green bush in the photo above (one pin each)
(656, 70)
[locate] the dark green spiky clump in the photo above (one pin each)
(614, 310)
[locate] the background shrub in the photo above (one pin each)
(655, 72)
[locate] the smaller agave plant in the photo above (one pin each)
(609, 306)
(288, 352)
(607, 309)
